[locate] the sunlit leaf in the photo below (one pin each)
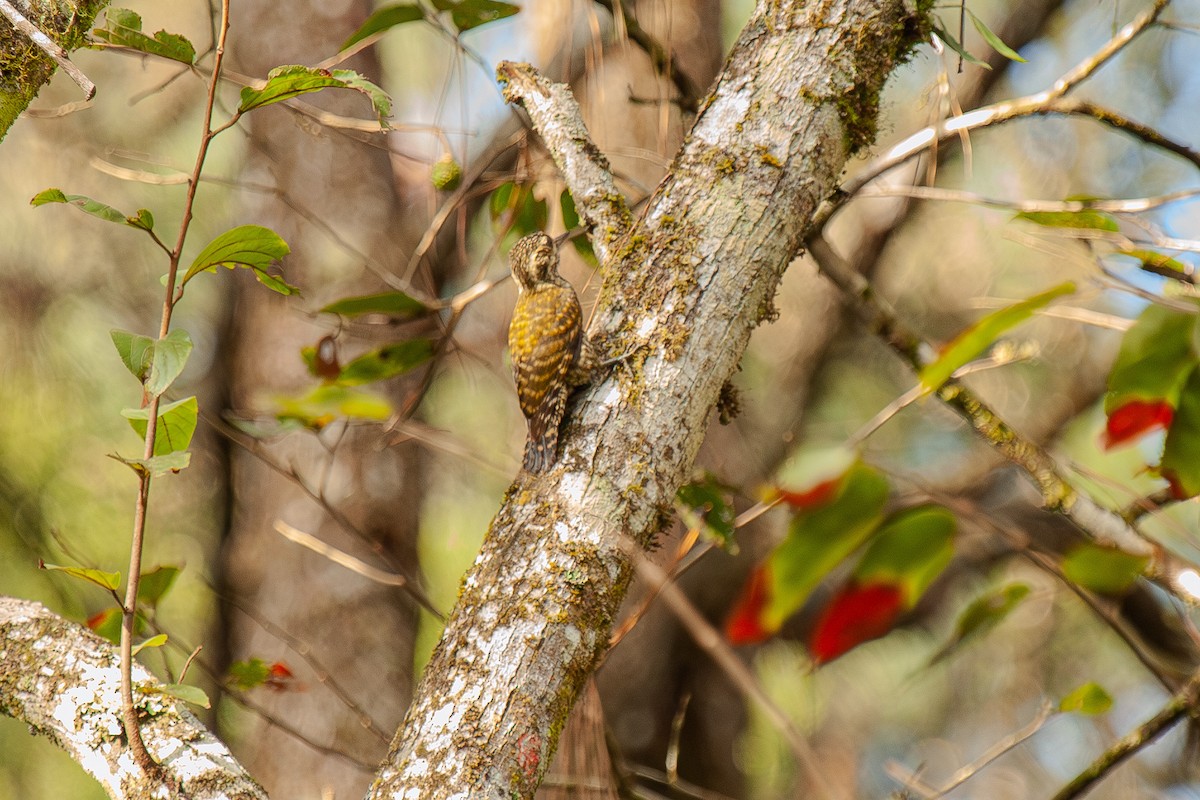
(397, 305)
(142, 219)
(176, 424)
(105, 580)
(153, 641)
(1181, 453)
(123, 27)
(467, 14)
(1157, 354)
(170, 355)
(251, 246)
(1104, 570)
(820, 538)
(979, 336)
(293, 80)
(136, 352)
(856, 614)
(384, 19)
(157, 465)
(984, 613)
(708, 501)
(811, 477)
(386, 362)
(1087, 219)
(155, 584)
(954, 45)
(325, 404)
(994, 41)
(1090, 699)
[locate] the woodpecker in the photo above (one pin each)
(550, 354)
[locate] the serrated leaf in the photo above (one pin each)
(1087, 219)
(820, 538)
(394, 304)
(293, 80)
(910, 550)
(1181, 452)
(155, 584)
(153, 641)
(105, 580)
(325, 404)
(157, 465)
(468, 14)
(176, 424)
(123, 27)
(136, 352)
(189, 694)
(954, 45)
(1090, 699)
(169, 357)
(979, 336)
(1103, 570)
(384, 19)
(994, 41)
(982, 614)
(708, 503)
(1157, 354)
(251, 246)
(386, 362)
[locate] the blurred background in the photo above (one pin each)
(414, 490)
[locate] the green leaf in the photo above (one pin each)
(156, 465)
(984, 613)
(123, 27)
(136, 352)
(142, 219)
(286, 82)
(176, 424)
(155, 584)
(582, 244)
(1090, 699)
(107, 624)
(994, 41)
(385, 18)
(394, 304)
(1103, 570)
(189, 694)
(954, 45)
(820, 538)
(153, 641)
(1181, 453)
(515, 203)
(1087, 219)
(911, 549)
(325, 404)
(978, 337)
(105, 580)
(707, 502)
(251, 246)
(1157, 354)
(386, 362)
(1160, 264)
(170, 355)
(247, 675)
(467, 14)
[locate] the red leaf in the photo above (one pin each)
(818, 495)
(279, 677)
(744, 625)
(1134, 419)
(859, 613)
(98, 619)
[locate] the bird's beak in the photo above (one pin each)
(561, 238)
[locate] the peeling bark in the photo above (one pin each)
(685, 285)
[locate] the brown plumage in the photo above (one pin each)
(550, 354)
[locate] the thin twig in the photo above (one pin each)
(49, 47)
(663, 59)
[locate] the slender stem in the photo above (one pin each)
(129, 609)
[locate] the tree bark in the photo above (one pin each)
(685, 285)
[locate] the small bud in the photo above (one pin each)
(446, 174)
